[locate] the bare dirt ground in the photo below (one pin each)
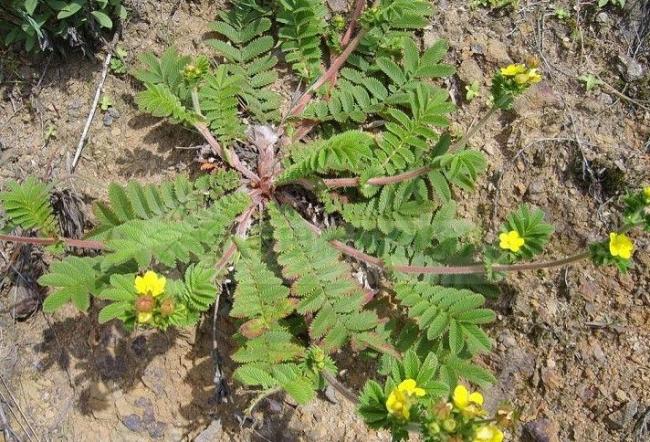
(573, 345)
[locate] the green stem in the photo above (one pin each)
(195, 101)
(262, 395)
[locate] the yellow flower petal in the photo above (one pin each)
(513, 69)
(534, 76)
(460, 396)
(407, 385)
(620, 245)
(511, 241)
(144, 317)
(150, 284)
(402, 397)
(488, 433)
(419, 392)
(476, 398)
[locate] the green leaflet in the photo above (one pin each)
(248, 56)
(321, 281)
(450, 314)
(347, 151)
(28, 205)
(74, 279)
(302, 26)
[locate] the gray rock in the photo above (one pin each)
(212, 433)
(338, 5)
(111, 115)
(108, 119)
(157, 429)
(541, 430)
(631, 69)
(605, 99)
(477, 48)
(133, 422)
(616, 419)
(330, 394)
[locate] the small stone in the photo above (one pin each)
(108, 120)
(133, 422)
(157, 429)
(602, 18)
(620, 395)
(330, 394)
(212, 433)
(507, 339)
(469, 71)
(477, 48)
(551, 379)
(605, 99)
(497, 52)
(631, 69)
(630, 410)
(598, 352)
(616, 419)
(338, 5)
(541, 430)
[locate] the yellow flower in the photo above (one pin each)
(513, 69)
(511, 241)
(620, 245)
(402, 397)
(646, 193)
(529, 77)
(488, 433)
(144, 317)
(470, 404)
(534, 76)
(150, 284)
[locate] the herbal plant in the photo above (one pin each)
(118, 64)
(590, 81)
(54, 24)
(366, 143)
(472, 90)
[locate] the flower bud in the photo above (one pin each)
(167, 307)
(442, 410)
(144, 304)
(449, 425)
(434, 428)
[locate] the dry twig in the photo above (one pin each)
(93, 108)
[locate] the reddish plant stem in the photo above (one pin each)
(329, 74)
(227, 155)
(243, 225)
(334, 183)
(445, 270)
(358, 9)
(70, 242)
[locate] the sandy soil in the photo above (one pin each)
(572, 345)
